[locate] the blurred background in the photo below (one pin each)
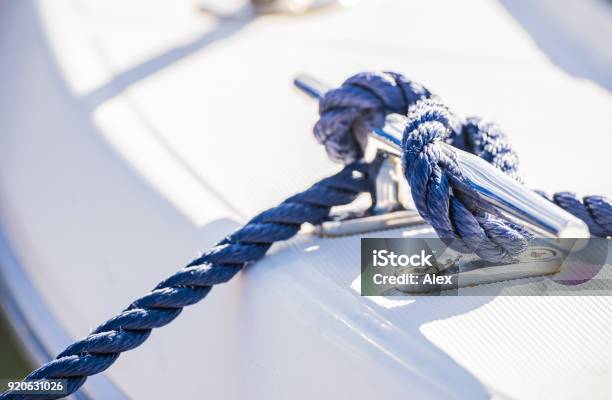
(14, 363)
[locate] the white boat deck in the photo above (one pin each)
(135, 134)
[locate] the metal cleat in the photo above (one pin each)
(392, 207)
(391, 204)
(467, 270)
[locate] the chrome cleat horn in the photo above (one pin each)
(391, 204)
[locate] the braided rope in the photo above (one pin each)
(595, 211)
(361, 104)
(129, 329)
(487, 141)
(439, 190)
(347, 114)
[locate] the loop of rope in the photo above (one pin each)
(129, 329)
(439, 192)
(363, 101)
(361, 104)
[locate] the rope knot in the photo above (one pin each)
(440, 194)
(363, 101)
(428, 123)
(489, 142)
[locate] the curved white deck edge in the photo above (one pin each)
(36, 328)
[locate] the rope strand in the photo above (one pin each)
(346, 116)
(129, 329)
(361, 104)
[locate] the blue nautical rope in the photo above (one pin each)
(595, 211)
(362, 102)
(129, 329)
(440, 194)
(486, 140)
(347, 114)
